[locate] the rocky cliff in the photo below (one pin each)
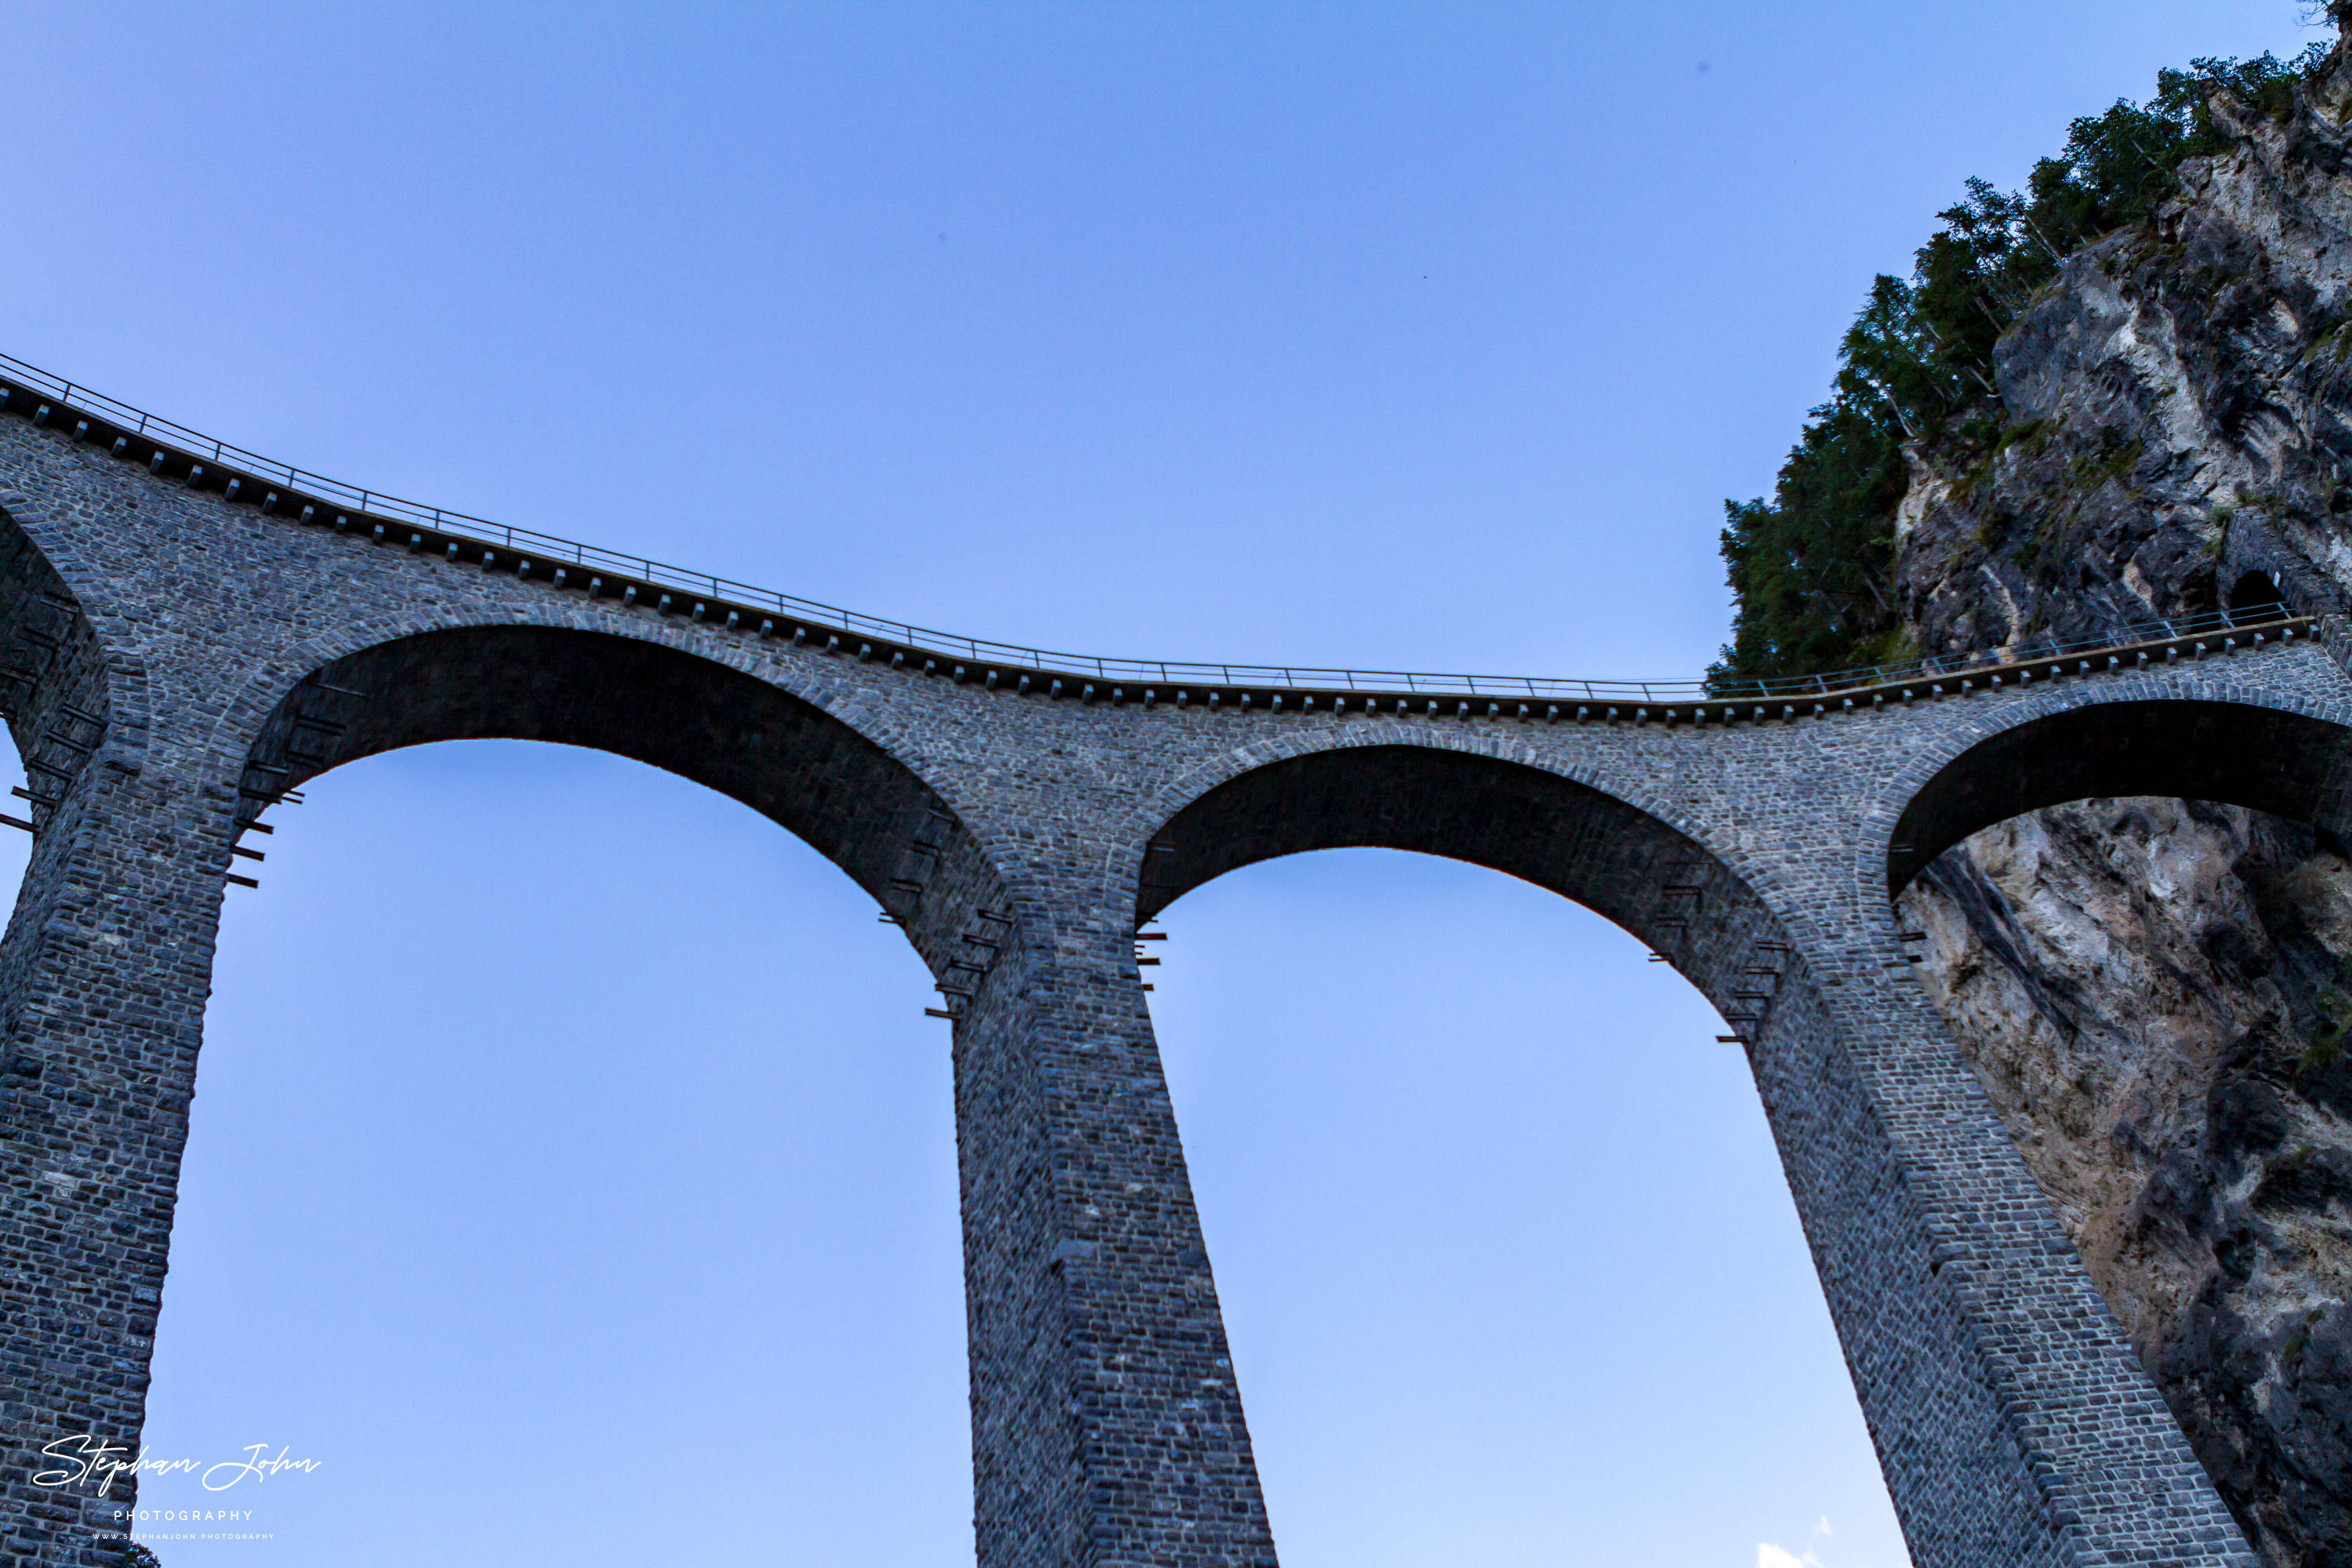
(2157, 994)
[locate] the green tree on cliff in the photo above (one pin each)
(1813, 568)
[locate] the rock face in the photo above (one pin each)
(2157, 994)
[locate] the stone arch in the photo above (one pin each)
(1624, 859)
(68, 692)
(2198, 732)
(2279, 755)
(1891, 1155)
(651, 699)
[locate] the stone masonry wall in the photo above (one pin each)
(1010, 833)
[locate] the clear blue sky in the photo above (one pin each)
(571, 1171)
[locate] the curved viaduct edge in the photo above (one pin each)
(289, 492)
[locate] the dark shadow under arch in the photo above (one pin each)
(1582, 843)
(77, 711)
(747, 739)
(57, 684)
(2288, 764)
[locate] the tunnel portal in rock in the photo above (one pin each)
(2254, 594)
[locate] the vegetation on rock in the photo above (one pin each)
(1813, 568)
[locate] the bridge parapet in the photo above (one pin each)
(201, 462)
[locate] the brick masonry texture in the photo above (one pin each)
(180, 659)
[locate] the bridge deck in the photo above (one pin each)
(204, 463)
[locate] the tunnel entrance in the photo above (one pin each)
(2255, 594)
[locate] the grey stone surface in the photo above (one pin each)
(185, 658)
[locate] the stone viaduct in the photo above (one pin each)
(189, 633)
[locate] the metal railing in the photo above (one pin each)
(2033, 650)
(552, 550)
